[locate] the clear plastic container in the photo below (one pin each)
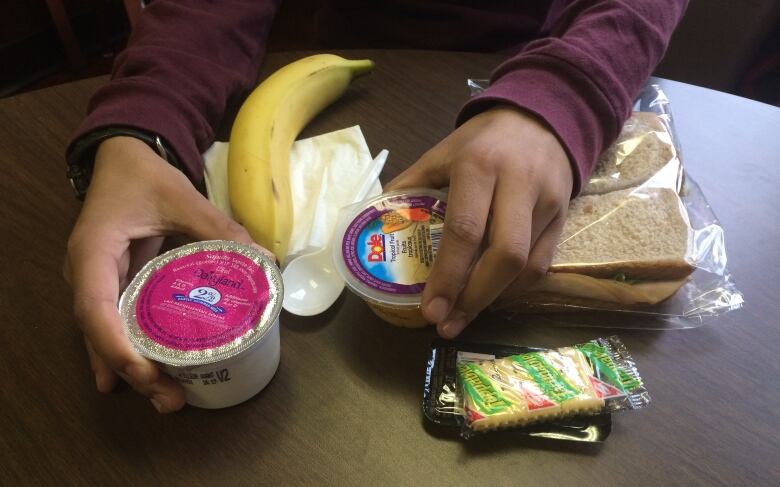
(384, 249)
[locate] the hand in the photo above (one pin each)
(134, 199)
(510, 182)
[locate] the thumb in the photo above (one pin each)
(197, 217)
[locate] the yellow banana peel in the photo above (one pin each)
(266, 126)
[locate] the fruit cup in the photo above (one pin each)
(384, 249)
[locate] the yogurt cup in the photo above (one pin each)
(208, 313)
(385, 247)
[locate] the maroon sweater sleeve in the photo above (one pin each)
(185, 62)
(583, 77)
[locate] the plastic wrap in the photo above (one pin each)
(565, 393)
(640, 239)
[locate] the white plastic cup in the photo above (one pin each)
(208, 314)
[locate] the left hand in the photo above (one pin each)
(134, 200)
(510, 182)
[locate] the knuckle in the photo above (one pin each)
(481, 153)
(552, 203)
(81, 309)
(235, 230)
(79, 243)
(513, 256)
(465, 228)
(534, 272)
(73, 245)
(173, 188)
(550, 192)
(87, 312)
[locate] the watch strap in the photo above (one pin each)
(81, 156)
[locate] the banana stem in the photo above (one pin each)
(361, 67)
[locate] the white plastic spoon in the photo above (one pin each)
(311, 282)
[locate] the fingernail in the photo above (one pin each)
(453, 327)
(100, 383)
(437, 309)
(157, 402)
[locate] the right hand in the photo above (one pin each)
(509, 182)
(135, 199)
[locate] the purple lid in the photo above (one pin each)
(390, 245)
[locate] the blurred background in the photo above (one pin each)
(727, 45)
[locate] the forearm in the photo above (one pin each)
(185, 62)
(583, 77)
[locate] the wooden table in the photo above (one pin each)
(344, 407)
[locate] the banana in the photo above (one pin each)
(264, 130)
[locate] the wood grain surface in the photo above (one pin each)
(344, 407)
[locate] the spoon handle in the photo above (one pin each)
(321, 239)
(374, 171)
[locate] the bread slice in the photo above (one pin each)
(642, 149)
(592, 292)
(627, 249)
(639, 233)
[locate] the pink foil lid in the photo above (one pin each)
(202, 303)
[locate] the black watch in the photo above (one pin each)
(81, 157)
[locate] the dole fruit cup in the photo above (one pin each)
(208, 314)
(384, 249)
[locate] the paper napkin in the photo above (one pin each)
(325, 174)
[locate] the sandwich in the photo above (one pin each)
(627, 240)
(643, 149)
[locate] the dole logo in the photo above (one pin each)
(376, 243)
